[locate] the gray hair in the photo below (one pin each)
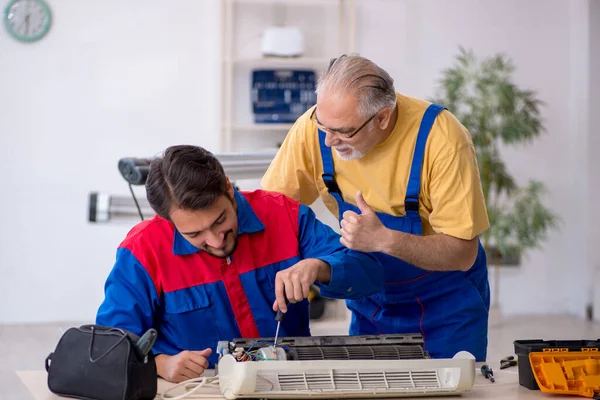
(372, 86)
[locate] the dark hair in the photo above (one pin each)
(185, 177)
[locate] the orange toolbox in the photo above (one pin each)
(560, 367)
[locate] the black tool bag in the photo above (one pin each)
(96, 362)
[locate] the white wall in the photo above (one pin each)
(594, 144)
(117, 78)
(111, 79)
(547, 39)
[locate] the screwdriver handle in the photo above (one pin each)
(487, 372)
(281, 314)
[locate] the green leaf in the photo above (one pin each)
(498, 113)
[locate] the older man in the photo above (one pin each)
(404, 182)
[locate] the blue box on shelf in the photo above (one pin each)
(282, 95)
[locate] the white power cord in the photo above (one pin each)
(191, 386)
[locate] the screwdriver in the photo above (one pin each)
(278, 318)
(487, 372)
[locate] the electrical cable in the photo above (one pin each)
(136, 202)
(192, 385)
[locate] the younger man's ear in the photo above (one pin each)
(229, 188)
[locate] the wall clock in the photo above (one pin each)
(27, 20)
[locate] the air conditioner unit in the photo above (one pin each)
(381, 366)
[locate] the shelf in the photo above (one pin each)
(262, 127)
(321, 62)
(236, 61)
(288, 2)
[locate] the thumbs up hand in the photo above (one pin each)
(362, 232)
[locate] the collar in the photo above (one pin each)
(248, 222)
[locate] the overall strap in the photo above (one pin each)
(411, 202)
(328, 169)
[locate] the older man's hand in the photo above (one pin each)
(362, 232)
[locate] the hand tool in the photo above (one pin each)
(278, 318)
(508, 362)
(487, 372)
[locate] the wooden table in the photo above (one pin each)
(506, 387)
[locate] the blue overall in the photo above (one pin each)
(450, 308)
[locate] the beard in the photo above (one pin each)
(349, 153)
(229, 246)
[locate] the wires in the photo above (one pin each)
(263, 353)
(254, 355)
(266, 380)
(191, 386)
(268, 344)
(136, 202)
(256, 352)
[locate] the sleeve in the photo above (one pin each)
(292, 171)
(457, 201)
(130, 296)
(353, 274)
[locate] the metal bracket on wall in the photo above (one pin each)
(104, 207)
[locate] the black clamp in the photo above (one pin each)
(508, 362)
(411, 204)
(331, 184)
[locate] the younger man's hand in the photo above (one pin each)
(294, 282)
(183, 366)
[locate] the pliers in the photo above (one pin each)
(508, 362)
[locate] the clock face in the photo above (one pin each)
(27, 20)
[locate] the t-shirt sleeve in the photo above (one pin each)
(458, 204)
(292, 171)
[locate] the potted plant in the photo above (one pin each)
(498, 113)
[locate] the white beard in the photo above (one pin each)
(355, 154)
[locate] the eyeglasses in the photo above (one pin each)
(313, 118)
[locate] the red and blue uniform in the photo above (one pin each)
(194, 299)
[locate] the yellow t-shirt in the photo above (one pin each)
(450, 201)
